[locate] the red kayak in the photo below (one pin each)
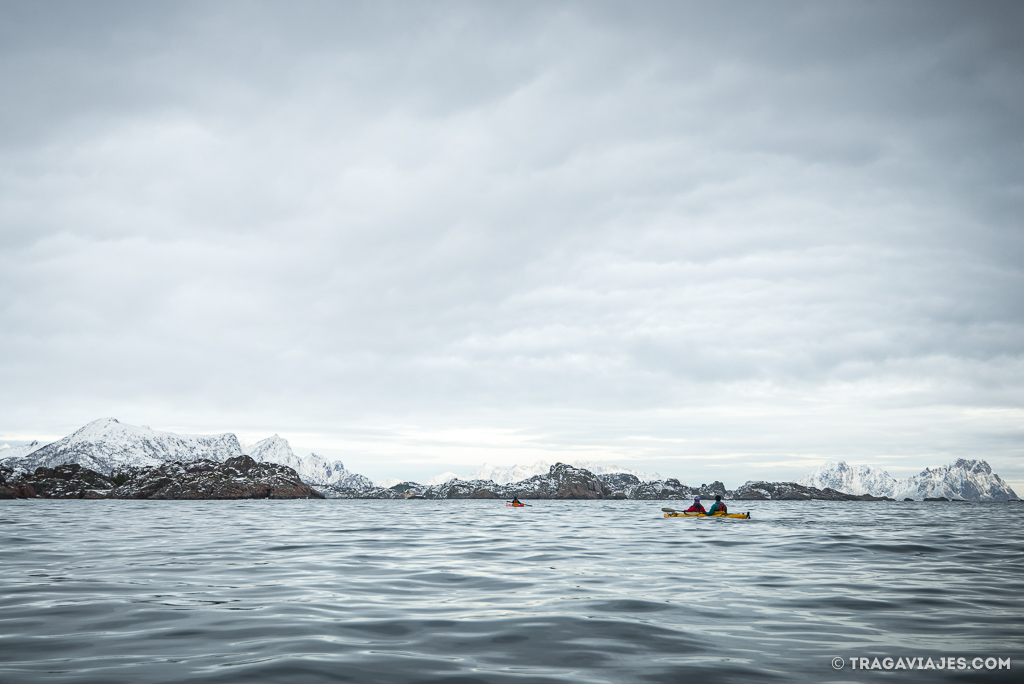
(512, 505)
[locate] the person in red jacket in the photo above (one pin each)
(696, 507)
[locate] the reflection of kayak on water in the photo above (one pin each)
(672, 513)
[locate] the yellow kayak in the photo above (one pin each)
(680, 514)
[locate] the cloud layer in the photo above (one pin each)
(713, 240)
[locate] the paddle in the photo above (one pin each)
(672, 510)
(678, 513)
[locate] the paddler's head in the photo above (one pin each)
(696, 499)
(718, 497)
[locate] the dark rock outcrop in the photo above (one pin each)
(625, 486)
(561, 482)
(619, 482)
(69, 481)
(341, 492)
(471, 489)
(564, 482)
(671, 489)
(712, 490)
(791, 491)
(236, 478)
(13, 484)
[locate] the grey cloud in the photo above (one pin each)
(529, 217)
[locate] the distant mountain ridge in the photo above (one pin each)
(8, 452)
(972, 480)
(108, 445)
(508, 474)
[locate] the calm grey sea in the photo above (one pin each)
(472, 591)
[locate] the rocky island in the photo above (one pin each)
(236, 478)
(567, 482)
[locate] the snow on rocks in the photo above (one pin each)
(313, 469)
(239, 477)
(16, 456)
(562, 481)
(517, 473)
(970, 480)
(791, 491)
(107, 445)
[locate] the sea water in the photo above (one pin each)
(472, 591)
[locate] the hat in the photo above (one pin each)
(696, 498)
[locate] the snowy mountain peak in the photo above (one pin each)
(31, 446)
(273, 449)
(106, 445)
(842, 477)
(15, 456)
(313, 469)
(442, 478)
(963, 479)
(978, 467)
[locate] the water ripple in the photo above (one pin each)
(468, 591)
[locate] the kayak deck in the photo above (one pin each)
(743, 516)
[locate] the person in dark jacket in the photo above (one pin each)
(718, 506)
(696, 507)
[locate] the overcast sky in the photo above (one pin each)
(717, 240)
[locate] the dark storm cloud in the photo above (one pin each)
(725, 229)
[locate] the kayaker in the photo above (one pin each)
(696, 507)
(515, 501)
(718, 506)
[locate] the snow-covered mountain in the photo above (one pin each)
(505, 475)
(863, 479)
(313, 469)
(440, 479)
(107, 445)
(963, 479)
(14, 456)
(972, 480)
